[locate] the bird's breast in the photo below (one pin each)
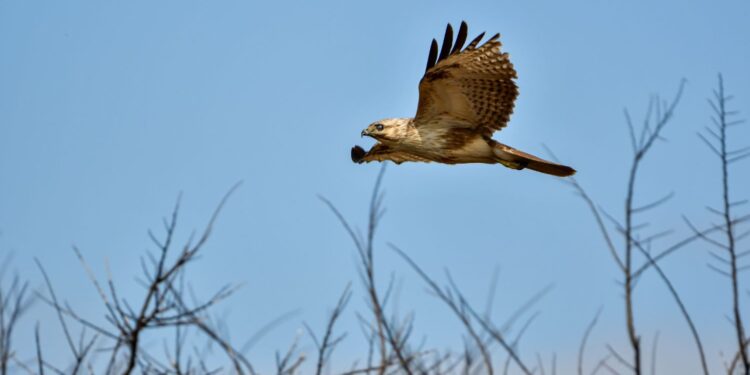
(449, 145)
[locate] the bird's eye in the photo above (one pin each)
(379, 127)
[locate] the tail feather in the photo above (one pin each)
(517, 159)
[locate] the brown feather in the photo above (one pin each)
(473, 43)
(381, 152)
(523, 160)
(464, 97)
(474, 88)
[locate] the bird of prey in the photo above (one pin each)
(465, 95)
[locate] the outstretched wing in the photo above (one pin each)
(381, 152)
(469, 88)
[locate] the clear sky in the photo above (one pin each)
(108, 110)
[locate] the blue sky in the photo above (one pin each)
(108, 110)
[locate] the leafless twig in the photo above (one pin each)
(463, 310)
(716, 139)
(328, 344)
(386, 335)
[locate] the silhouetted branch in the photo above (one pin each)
(14, 302)
(517, 339)
(163, 306)
(684, 242)
(37, 341)
(326, 347)
(463, 311)
(80, 351)
(653, 353)
(285, 365)
(719, 147)
(255, 338)
(660, 113)
(585, 338)
(619, 358)
(365, 250)
(647, 139)
(675, 295)
(458, 307)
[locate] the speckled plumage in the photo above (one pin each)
(465, 96)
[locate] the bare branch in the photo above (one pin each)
(585, 338)
(326, 347)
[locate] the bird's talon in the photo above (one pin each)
(358, 153)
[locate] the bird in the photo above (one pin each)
(465, 96)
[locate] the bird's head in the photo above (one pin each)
(388, 130)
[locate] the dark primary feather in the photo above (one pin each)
(476, 41)
(461, 38)
(448, 48)
(468, 94)
(432, 58)
(475, 85)
(447, 43)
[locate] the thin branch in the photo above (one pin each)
(719, 107)
(585, 338)
(326, 347)
(460, 311)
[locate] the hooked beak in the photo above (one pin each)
(364, 133)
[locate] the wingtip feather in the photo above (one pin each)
(447, 42)
(463, 30)
(476, 41)
(432, 57)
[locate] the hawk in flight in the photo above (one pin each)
(465, 95)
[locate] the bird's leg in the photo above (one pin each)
(378, 152)
(518, 165)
